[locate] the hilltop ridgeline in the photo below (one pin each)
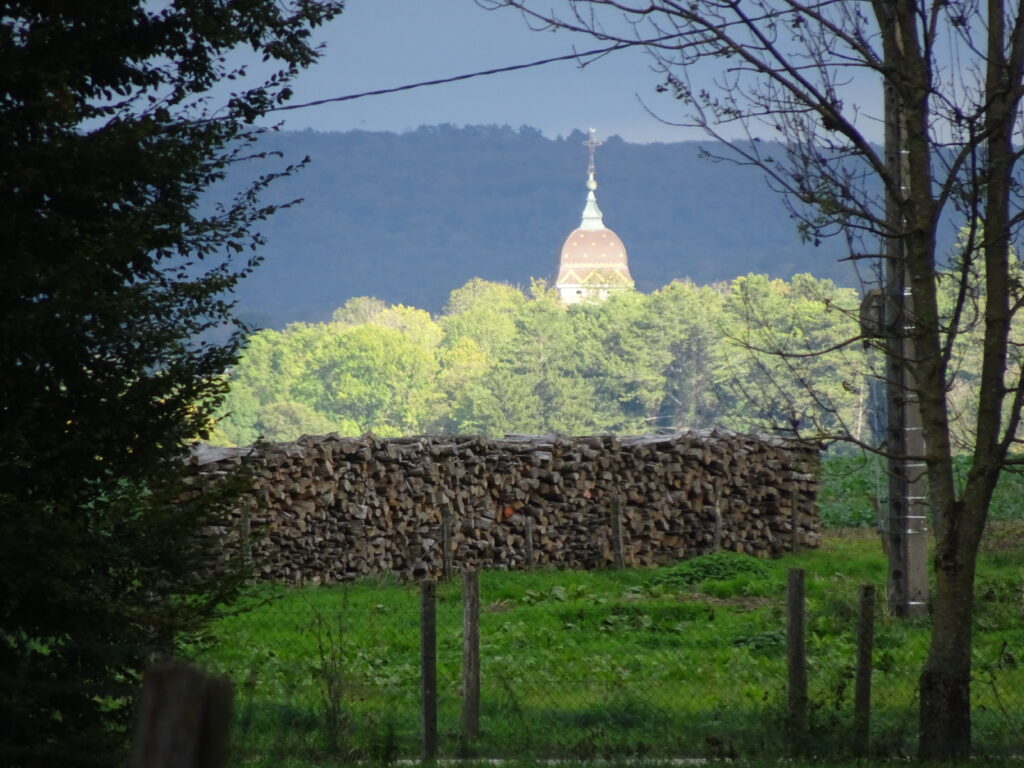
(409, 217)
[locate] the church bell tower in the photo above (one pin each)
(593, 261)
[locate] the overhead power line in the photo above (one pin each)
(469, 76)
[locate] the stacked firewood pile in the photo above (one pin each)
(328, 509)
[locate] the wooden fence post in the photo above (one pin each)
(428, 667)
(797, 655)
(618, 545)
(529, 543)
(794, 520)
(470, 658)
(862, 695)
(183, 719)
(245, 534)
(446, 542)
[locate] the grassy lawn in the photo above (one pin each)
(681, 661)
(850, 483)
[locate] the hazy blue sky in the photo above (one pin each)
(384, 43)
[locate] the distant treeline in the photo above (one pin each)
(405, 217)
(498, 360)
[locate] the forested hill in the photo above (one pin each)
(409, 217)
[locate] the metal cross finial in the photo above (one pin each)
(592, 144)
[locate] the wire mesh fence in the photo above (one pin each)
(685, 661)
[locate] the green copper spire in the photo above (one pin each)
(592, 217)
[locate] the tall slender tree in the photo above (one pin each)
(952, 73)
(112, 274)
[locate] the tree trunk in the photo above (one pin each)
(945, 685)
(945, 731)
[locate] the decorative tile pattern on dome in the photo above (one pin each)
(593, 258)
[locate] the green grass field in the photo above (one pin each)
(681, 661)
(850, 483)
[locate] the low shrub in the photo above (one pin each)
(717, 566)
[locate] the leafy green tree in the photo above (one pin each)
(501, 403)
(504, 362)
(285, 420)
(771, 364)
(535, 385)
(273, 369)
(378, 376)
(416, 325)
(358, 310)
(961, 298)
(110, 278)
(619, 354)
(485, 312)
(237, 422)
(479, 325)
(463, 365)
(689, 321)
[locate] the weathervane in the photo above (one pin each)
(592, 144)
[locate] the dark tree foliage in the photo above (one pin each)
(110, 277)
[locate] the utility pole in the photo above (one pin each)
(906, 524)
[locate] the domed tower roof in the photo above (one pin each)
(593, 260)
